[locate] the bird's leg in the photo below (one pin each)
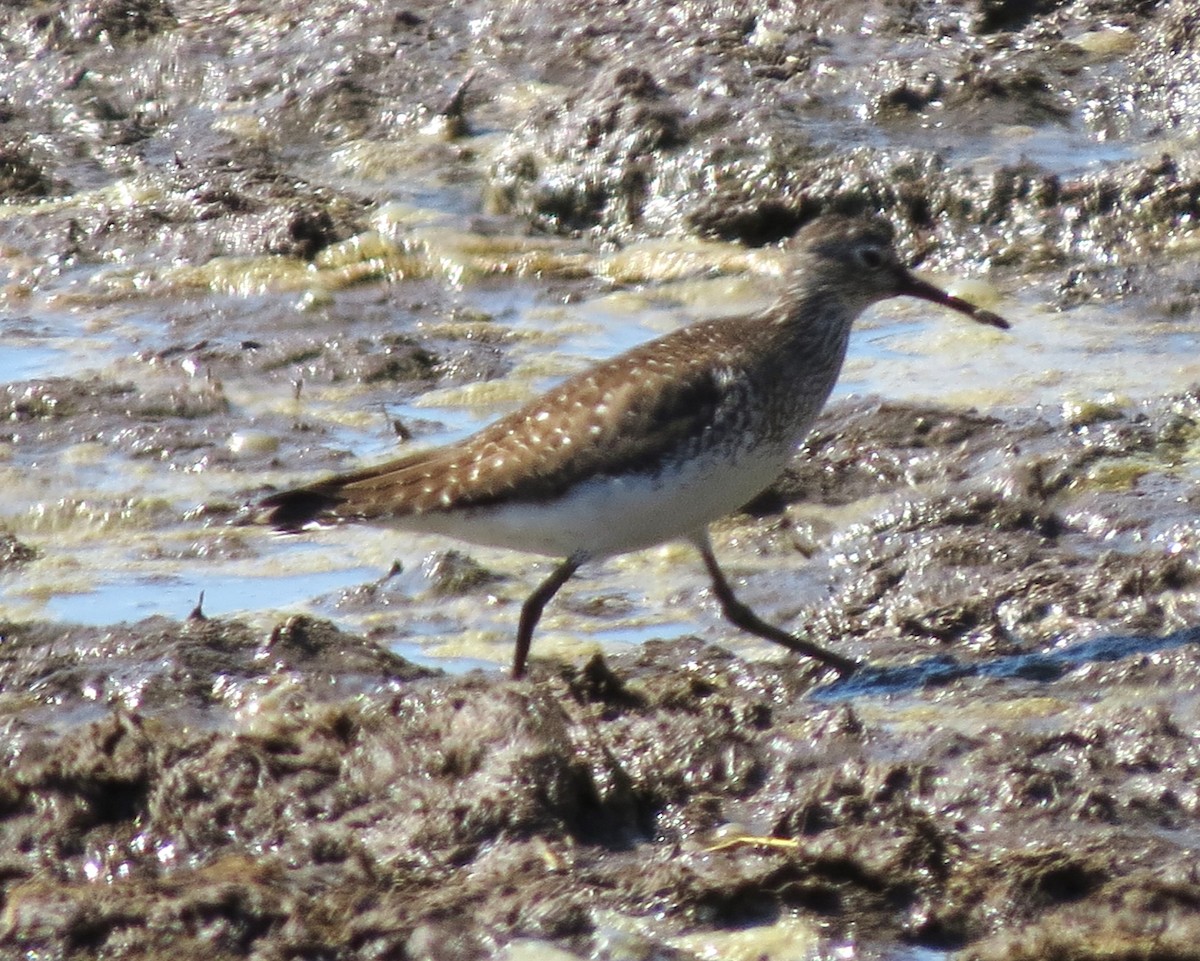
(531, 610)
(738, 613)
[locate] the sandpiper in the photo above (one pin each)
(651, 445)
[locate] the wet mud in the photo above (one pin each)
(274, 229)
(1014, 775)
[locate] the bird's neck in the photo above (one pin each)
(812, 328)
(799, 360)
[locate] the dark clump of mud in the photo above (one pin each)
(218, 207)
(302, 793)
(1024, 533)
(723, 121)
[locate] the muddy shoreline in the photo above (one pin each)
(1013, 777)
(250, 234)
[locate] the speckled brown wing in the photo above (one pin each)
(631, 414)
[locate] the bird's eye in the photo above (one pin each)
(870, 257)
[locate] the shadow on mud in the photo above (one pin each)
(1031, 666)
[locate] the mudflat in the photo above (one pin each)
(245, 243)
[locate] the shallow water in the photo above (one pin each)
(902, 351)
(129, 315)
(130, 599)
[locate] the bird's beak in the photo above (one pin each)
(909, 285)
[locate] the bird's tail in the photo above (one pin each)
(395, 488)
(293, 510)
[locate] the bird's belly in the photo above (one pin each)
(612, 515)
